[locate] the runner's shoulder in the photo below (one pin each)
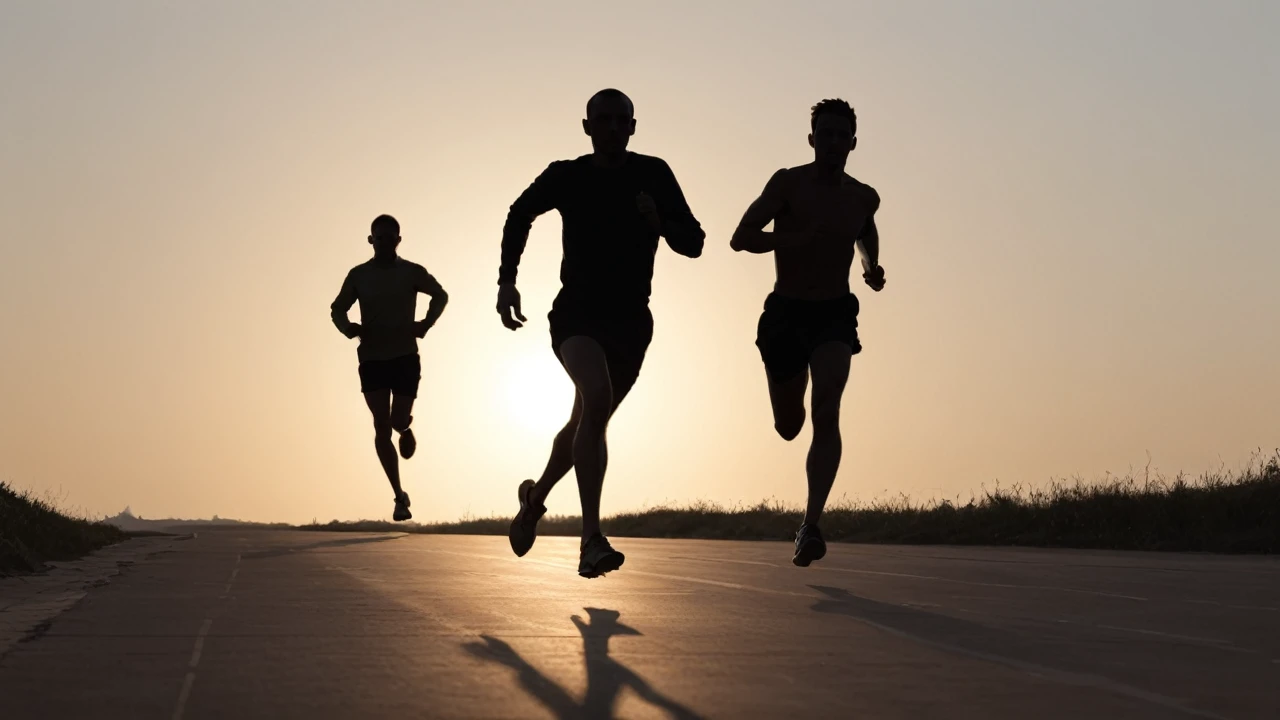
(786, 179)
(371, 266)
(559, 168)
(649, 163)
(864, 190)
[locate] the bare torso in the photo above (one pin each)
(819, 270)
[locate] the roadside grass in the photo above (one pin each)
(33, 531)
(1222, 512)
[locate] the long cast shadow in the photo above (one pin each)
(1040, 658)
(934, 629)
(606, 677)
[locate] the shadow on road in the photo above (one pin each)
(1048, 657)
(288, 550)
(606, 677)
(941, 631)
(929, 628)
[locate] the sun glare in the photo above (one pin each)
(537, 394)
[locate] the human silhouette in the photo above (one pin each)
(614, 205)
(606, 677)
(387, 288)
(809, 325)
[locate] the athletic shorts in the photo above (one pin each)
(791, 329)
(399, 375)
(623, 331)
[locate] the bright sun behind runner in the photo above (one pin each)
(536, 392)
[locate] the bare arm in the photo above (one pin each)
(868, 243)
(428, 285)
(750, 236)
(342, 305)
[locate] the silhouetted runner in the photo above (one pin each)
(614, 206)
(387, 288)
(810, 320)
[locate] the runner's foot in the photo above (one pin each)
(402, 508)
(809, 545)
(524, 527)
(598, 557)
(408, 443)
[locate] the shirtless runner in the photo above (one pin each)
(810, 321)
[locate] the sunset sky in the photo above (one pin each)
(1079, 226)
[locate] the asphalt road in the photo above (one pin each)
(281, 624)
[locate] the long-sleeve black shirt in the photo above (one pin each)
(609, 246)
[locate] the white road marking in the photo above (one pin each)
(198, 650)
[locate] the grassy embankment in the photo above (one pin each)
(1229, 512)
(32, 531)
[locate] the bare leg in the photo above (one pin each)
(401, 412)
(585, 362)
(830, 367)
(379, 402)
(561, 460)
(787, 398)
(401, 417)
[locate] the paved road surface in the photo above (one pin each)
(279, 624)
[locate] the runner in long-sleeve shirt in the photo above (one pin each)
(615, 206)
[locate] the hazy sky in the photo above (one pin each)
(1079, 227)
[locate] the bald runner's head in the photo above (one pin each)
(610, 121)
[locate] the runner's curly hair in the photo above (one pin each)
(834, 106)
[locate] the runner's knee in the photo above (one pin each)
(588, 366)
(382, 429)
(826, 412)
(597, 401)
(787, 398)
(830, 365)
(790, 426)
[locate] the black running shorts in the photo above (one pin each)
(790, 329)
(624, 331)
(399, 375)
